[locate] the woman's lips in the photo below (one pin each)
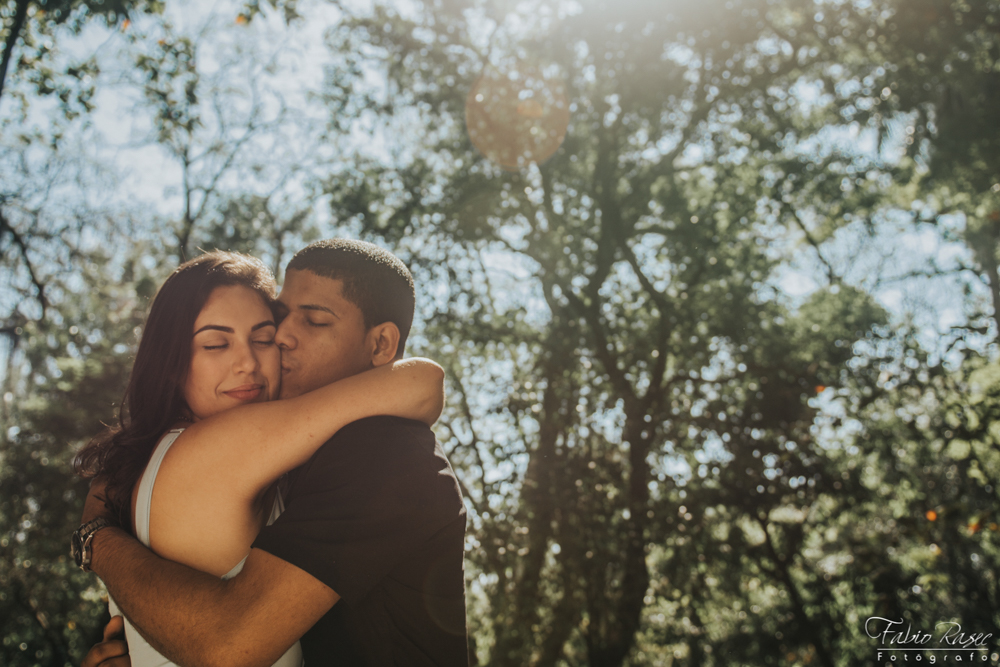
(246, 392)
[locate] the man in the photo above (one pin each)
(366, 563)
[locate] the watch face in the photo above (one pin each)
(76, 548)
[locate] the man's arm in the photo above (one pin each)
(194, 618)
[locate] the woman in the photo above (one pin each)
(192, 462)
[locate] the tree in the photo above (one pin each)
(241, 150)
(32, 23)
(67, 374)
(936, 476)
(687, 431)
(206, 139)
(79, 266)
(926, 75)
(638, 361)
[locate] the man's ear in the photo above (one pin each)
(384, 340)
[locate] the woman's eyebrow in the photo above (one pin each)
(218, 327)
(214, 327)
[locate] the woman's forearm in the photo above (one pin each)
(249, 447)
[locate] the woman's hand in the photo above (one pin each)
(111, 652)
(411, 388)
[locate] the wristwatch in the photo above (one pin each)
(80, 543)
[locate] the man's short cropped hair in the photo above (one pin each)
(374, 279)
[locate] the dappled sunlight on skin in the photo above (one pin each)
(517, 117)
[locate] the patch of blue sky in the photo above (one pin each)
(265, 73)
(608, 423)
(713, 450)
(833, 427)
(674, 467)
(651, 256)
(914, 271)
(912, 268)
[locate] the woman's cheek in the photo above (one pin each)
(274, 372)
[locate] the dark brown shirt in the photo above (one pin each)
(377, 516)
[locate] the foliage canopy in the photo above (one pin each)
(689, 428)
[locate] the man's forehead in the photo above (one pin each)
(305, 286)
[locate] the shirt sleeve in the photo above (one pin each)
(373, 494)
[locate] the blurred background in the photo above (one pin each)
(715, 285)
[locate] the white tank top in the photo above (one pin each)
(140, 652)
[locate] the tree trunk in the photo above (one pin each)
(516, 643)
(810, 629)
(20, 15)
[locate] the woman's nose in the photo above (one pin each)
(246, 361)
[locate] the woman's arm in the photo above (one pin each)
(245, 449)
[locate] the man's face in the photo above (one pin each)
(323, 337)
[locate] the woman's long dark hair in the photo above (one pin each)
(154, 399)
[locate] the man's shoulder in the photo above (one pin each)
(388, 457)
(380, 440)
(379, 447)
(383, 428)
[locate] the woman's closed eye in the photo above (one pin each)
(264, 342)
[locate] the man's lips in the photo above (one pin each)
(246, 392)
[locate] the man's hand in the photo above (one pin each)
(111, 652)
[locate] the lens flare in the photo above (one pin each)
(517, 117)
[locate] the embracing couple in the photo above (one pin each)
(353, 558)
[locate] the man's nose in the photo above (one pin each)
(284, 338)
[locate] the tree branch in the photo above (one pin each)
(22, 247)
(20, 15)
(831, 274)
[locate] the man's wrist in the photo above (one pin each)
(101, 544)
(80, 541)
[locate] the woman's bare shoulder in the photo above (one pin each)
(193, 519)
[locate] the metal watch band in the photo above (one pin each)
(80, 547)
